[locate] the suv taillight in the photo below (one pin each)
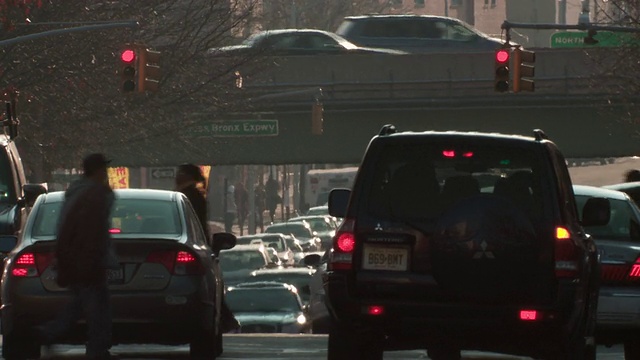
(31, 264)
(344, 243)
(566, 254)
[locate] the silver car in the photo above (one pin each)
(619, 247)
(168, 289)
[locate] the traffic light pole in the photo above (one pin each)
(101, 26)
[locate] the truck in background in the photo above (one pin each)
(319, 183)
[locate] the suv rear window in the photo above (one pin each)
(420, 181)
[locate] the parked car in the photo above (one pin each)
(301, 230)
(416, 33)
(238, 263)
(296, 276)
(268, 307)
(297, 42)
(275, 241)
(162, 257)
(323, 226)
(619, 245)
(424, 259)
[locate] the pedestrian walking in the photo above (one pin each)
(272, 197)
(84, 254)
(230, 210)
(187, 179)
(241, 196)
(261, 205)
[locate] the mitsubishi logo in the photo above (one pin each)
(483, 253)
(378, 227)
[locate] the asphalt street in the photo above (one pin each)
(277, 346)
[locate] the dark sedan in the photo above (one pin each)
(167, 290)
(619, 245)
(297, 42)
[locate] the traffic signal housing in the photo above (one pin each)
(501, 81)
(128, 69)
(149, 70)
(523, 70)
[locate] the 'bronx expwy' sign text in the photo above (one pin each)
(235, 128)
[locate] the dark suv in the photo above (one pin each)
(461, 241)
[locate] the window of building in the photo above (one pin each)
(419, 3)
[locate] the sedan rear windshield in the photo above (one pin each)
(624, 222)
(143, 217)
(262, 300)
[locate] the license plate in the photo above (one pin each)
(115, 275)
(385, 258)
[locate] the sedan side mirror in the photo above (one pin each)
(312, 260)
(596, 212)
(31, 193)
(222, 241)
(7, 243)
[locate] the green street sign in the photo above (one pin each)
(234, 128)
(575, 39)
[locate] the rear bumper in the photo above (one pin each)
(411, 325)
(179, 309)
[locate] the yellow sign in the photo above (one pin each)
(119, 178)
(206, 169)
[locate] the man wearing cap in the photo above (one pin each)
(83, 254)
(187, 179)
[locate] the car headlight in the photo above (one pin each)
(301, 319)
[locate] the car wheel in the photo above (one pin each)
(444, 353)
(204, 345)
(19, 347)
(346, 343)
(631, 350)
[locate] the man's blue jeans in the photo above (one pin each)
(92, 303)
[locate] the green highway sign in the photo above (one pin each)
(575, 39)
(224, 128)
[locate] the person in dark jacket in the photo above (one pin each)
(84, 254)
(187, 179)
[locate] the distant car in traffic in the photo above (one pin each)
(297, 42)
(167, 290)
(323, 226)
(618, 242)
(318, 210)
(268, 307)
(238, 263)
(275, 241)
(301, 230)
(296, 276)
(416, 33)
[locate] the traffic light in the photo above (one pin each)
(128, 65)
(523, 69)
(501, 82)
(148, 70)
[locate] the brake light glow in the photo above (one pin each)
(375, 310)
(26, 259)
(567, 254)
(115, 231)
(165, 258)
(635, 271)
(468, 154)
(184, 257)
(20, 272)
(344, 243)
(448, 153)
(528, 315)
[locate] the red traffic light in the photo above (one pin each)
(128, 55)
(502, 56)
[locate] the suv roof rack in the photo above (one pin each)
(388, 129)
(540, 135)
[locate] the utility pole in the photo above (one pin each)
(562, 12)
(294, 15)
